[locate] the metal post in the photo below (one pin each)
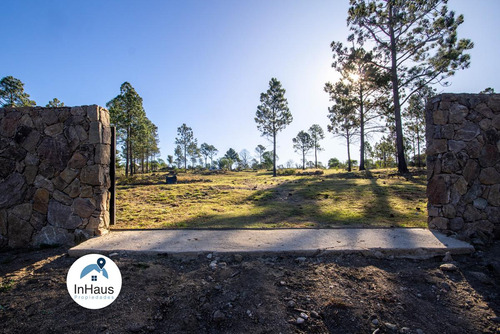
(112, 174)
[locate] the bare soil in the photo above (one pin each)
(337, 294)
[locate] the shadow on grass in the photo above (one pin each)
(310, 202)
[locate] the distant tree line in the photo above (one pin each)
(137, 135)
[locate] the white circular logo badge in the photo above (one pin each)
(94, 281)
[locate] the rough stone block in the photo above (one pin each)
(55, 151)
(493, 214)
(489, 156)
(438, 191)
(471, 171)
(73, 190)
(496, 122)
(447, 131)
(456, 224)
(480, 203)
(494, 102)
(41, 200)
(439, 223)
(49, 116)
(78, 111)
(484, 110)
(20, 232)
(95, 133)
(437, 146)
(62, 197)
(54, 130)
(26, 121)
(30, 174)
(450, 163)
(485, 124)
(7, 167)
(82, 235)
(468, 132)
(77, 161)
(31, 141)
(494, 195)
(456, 146)
(93, 113)
(38, 220)
(60, 215)
(458, 113)
(51, 235)
(440, 116)
(69, 174)
(489, 176)
(449, 211)
(93, 175)
(59, 183)
(471, 214)
(83, 207)
(8, 126)
(72, 137)
(460, 186)
(432, 211)
(12, 190)
(102, 154)
(106, 135)
(86, 192)
(3, 222)
(104, 117)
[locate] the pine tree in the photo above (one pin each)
(317, 134)
(12, 93)
(415, 42)
(127, 114)
(302, 144)
(55, 103)
(342, 115)
(184, 138)
(272, 114)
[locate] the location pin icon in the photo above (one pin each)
(101, 262)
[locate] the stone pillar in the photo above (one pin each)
(463, 165)
(54, 175)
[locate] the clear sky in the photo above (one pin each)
(205, 63)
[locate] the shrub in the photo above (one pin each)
(286, 171)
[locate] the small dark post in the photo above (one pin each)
(112, 174)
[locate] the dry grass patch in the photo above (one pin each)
(257, 200)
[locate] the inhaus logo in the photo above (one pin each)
(94, 281)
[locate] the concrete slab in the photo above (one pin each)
(399, 242)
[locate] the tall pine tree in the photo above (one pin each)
(415, 42)
(272, 114)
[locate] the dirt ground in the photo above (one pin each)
(334, 294)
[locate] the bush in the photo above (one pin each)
(285, 171)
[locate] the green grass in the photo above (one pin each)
(257, 200)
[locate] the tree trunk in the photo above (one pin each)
(303, 160)
(132, 163)
(348, 153)
(274, 153)
(402, 167)
(185, 157)
(315, 155)
(361, 129)
(418, 149)
(127, 155)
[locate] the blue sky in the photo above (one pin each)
(205, 63)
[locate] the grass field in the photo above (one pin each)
(257, 200)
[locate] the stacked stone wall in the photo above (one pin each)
(54, 175)
(463, 165)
